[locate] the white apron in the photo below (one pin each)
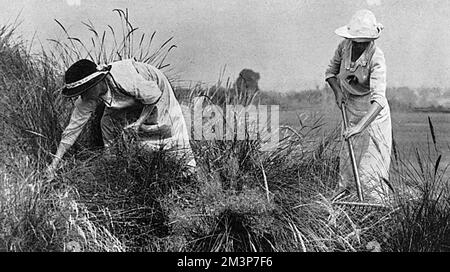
(373, 146)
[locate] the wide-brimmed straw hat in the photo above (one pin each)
(82, 76)
(362, 26)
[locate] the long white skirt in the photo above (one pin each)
(372, 150)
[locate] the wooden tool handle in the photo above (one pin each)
(352, 155)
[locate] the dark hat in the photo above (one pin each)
(82, 76)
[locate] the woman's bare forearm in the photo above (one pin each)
(146, 112)
(333, 82)
(371, 115)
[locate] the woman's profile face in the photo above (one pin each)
(360, 45)
(95, 92)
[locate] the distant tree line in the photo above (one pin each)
(400, 98)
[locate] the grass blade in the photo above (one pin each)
(433, 135)
(436, 165)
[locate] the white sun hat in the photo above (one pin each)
(362, 26)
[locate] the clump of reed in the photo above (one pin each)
(241, 199)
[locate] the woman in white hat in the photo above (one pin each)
(126, 87)
(357, 76)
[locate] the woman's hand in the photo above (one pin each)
(50, 172)
(136, 126)
(339, 98)
(146, 112)
(365, 122)
(51, 169)
(352, 131)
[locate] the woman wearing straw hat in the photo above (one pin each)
(357, 76)
(125, 87)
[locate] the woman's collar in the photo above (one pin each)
(363, 60)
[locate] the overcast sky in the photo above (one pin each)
(289, 42)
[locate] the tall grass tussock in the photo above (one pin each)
(241, 200)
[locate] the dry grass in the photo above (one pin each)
(132, 200)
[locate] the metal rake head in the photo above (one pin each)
(362, 207)
(350, 202)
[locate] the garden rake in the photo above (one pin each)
(361, 204)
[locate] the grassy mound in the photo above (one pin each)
(241, 199)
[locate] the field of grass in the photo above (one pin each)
(241, 200)
(411, 129)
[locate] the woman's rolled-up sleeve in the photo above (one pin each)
(335, 62)
(80, 116)
(130, 81)
(146, 91)
(378, 79)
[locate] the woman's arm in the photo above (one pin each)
(146, 112)
(333, 70)
(80, 116)
(378, 94)
(333, 82)
(144, 89)
(62, 149)
(373, 112)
